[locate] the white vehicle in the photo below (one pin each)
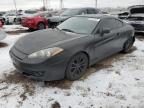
(9, 18)
(25, 14)
(2, 35)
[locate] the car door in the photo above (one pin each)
(106, 39)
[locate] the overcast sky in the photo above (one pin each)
(28, 4)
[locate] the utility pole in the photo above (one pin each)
(15, 6)
(95, 3)
(49, 4)
(44, 7)
(61, 4)
(46, 4)
(142, 2)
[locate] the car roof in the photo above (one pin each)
(98, 16)
(136, 6)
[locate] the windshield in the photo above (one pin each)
(81, 25)
(70, 12)
(30, 12)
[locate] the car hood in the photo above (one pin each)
(58, 18)
(42, 39)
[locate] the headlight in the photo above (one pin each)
(46, 53)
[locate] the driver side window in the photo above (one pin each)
(106, 24)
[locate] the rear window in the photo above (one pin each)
(137, 10)
(30, 12)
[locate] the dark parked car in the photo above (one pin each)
(135, 17)
(55, 20)
(68, 50)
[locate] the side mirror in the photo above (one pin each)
(105, 31)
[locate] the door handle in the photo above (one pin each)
(118, 34)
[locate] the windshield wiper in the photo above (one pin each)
(68, 30)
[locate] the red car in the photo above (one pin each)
(35, 22)
(1, 24)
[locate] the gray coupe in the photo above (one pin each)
(68, 50)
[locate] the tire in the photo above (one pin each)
(41, 26)
(15, 20)
(128, 45)
(31, 29)
(77, 66)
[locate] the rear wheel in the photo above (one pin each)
(128, 45)
(77, 66)
(41, 26)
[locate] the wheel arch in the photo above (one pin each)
(85, 52)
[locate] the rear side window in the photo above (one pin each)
(111, 24)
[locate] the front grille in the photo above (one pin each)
(33, 73)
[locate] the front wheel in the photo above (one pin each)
(128, 45)
(77, 66)
(41, 26)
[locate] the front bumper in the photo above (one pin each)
(48, 70)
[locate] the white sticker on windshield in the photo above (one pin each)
(94, 19)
